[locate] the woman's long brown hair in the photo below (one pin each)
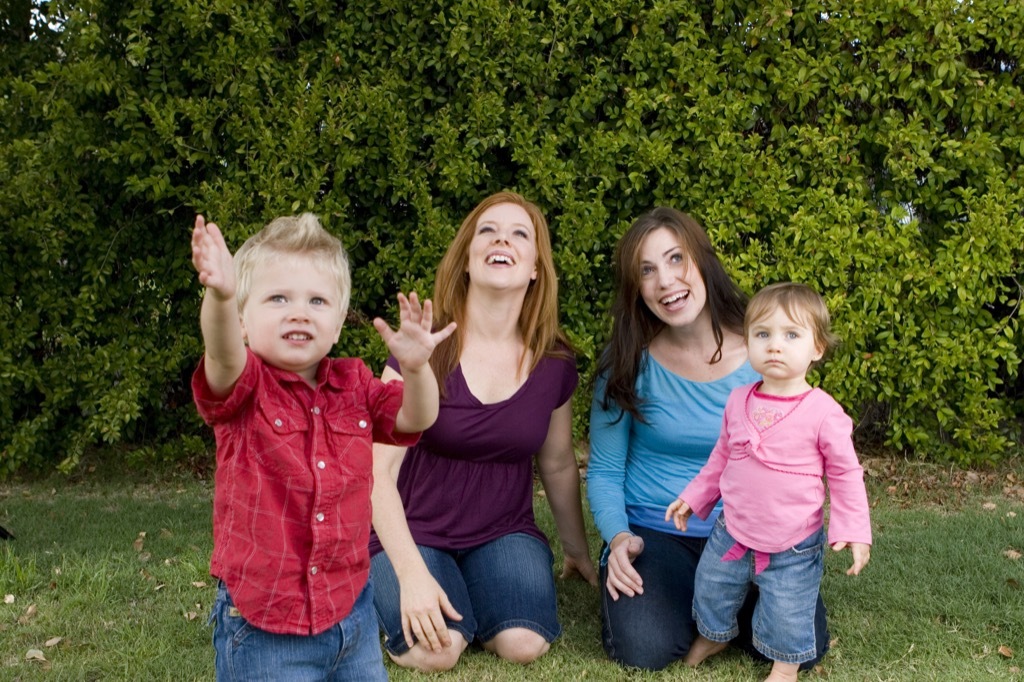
(635, 326)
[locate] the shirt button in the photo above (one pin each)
(313, 570)
(278, 422)
(316, 410)
(362, 423)
(320, 464)
(320, 516)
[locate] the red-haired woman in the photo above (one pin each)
(463, 556)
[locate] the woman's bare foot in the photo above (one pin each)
(701, 649)
(783, 672)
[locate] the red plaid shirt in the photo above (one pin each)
(291, 506)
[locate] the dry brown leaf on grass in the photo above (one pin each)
(53, 641)
(36, 656)
(199, 583)
(1012, 554)
(8, 598)
(29, 614)
(989, 506)
(139, 541)
(1005, 651)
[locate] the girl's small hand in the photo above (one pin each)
(414, 341)
(679, 512)
(861, 555)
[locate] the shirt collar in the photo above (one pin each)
(323, 373)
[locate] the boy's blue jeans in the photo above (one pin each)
(348, 651)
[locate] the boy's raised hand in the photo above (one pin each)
(212, 259)
(861, 555)
(414, 341)
(218, 318)
(679, 512)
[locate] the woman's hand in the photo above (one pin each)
(580, 566)
(622, 577)
(424, 605)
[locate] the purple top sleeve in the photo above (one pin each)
(470, 478)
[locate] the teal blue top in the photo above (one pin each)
(637, 469)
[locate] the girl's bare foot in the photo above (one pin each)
(701, 649)
(783, 672)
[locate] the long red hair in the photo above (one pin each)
(538, 320)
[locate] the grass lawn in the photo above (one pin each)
(107, 580)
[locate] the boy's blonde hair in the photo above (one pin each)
(293, 235)
(801, 304)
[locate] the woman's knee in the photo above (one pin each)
(424, 660)
(518, 645)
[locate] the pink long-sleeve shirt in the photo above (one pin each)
(770, 481)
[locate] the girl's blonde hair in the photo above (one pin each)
(293, 235)
(538, 320)
(801, 304)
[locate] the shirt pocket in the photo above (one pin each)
(350, 434)
(279, 439)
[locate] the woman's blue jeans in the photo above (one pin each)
(502, 584)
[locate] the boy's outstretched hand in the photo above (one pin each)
(212, 259)
(861, 555)
(414, 341)
(679, 512)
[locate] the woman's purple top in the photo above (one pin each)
(469, 480)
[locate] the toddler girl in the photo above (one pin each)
(779, 438)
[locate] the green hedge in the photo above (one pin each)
(871, 149)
